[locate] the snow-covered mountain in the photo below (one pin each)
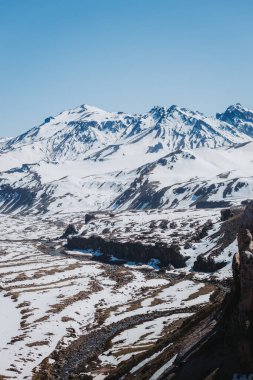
(88, 132)
(90, 159)
(240, 117)
(3, 141)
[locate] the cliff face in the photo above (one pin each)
(130, 251)
(242, 319)
(225, 351)
(246, 281)
(243, 268)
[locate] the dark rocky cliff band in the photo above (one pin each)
(130, 251)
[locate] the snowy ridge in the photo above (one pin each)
(240, 117)
(90, 159)
(88, 132)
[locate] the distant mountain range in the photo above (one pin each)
(90, 159)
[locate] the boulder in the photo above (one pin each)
(226, 214)
(187, 245)
(70, 230)
(207, 264)
(163, 225)
(88, 218)
(173, 225)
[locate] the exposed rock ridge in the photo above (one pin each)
(130, 251)
(242, 320)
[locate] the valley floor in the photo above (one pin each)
(64, 311)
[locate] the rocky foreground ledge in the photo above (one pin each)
(217, 344)
(205, 318)
(224, 351)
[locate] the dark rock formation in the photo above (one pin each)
(48, 119)
(247, 219)
(163, 225)
(203, 231)
(131, 251)
(243, 287)
(106, 231)
(88, 218)
(212, 204)
(187, 245)
(70, 230)
(208, 264)
(220, 347)
(226, 214)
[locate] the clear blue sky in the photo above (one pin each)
(125, 55)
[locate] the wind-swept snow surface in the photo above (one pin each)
(50, 298)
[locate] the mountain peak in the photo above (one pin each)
(88, 108)
(175, 110)
(240, 117)
(157, 112)
(74, 133)
(236, 107)
(156, 109)
(173, 107)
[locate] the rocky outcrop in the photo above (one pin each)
(131, 251)
(223, 349)
(243, 273)
(243, 262)
(202, 232)
(226, 214)
(208, 264)
(70, 230)
(88, 218)
(247, 219)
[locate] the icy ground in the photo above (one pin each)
(50, 297)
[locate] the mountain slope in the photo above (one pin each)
(240, 117)
(202, 177)
(88, 132)
(89, 159)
